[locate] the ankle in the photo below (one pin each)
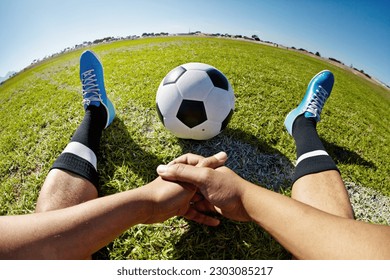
(98, 115)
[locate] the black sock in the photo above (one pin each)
(311, 154)
(90, 130)
(79, 156)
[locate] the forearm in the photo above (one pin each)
(74, 232)
(309, 233)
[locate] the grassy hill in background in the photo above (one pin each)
(40, 109)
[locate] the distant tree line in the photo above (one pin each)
(196, 33)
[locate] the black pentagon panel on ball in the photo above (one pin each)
(192, 113)
(174, 75)
(219, 80)
(227, 120)
(159, 114)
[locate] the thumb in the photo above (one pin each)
(214, 161)
(181, 172)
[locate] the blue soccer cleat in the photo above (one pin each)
(94, 93)
(311, 106)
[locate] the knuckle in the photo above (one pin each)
(205, 174)
(205, 162)
(179, 168)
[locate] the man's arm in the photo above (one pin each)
(309, 233)
(306, 232)
(77, 232)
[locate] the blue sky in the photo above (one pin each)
(355, 32)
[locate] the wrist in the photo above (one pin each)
(145, 204)
(248, 197)
(150, 205)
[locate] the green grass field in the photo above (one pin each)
(40, 109)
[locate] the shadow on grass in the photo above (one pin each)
(119, 151)
(342, 155)
(258, 163)
(228, 241)
(249, 157)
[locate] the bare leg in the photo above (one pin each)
(325, 191)
(317, 181)
(63, 189)
(73, 178)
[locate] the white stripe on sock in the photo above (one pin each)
(312, 154)
(82, 151)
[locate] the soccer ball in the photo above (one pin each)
(195, 101)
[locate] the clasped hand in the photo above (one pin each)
(209, 187)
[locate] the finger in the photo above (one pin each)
(197, 197)
(214, 161)
(183, 173)
(204, 206)
(187, 186)
(189, 158)
(201, 218)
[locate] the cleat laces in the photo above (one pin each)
(91, 91)
(317, 102)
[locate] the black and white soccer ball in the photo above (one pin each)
(195, 101)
